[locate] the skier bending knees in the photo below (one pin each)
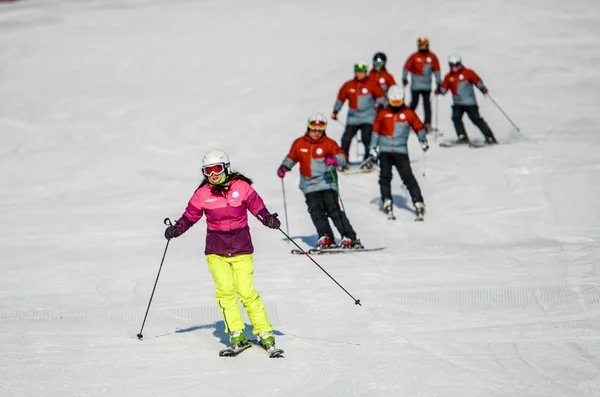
(318, 156)
(225, 197)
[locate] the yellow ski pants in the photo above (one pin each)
(233, 275)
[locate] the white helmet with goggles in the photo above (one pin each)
(215, 162)
(454, 60)
(395, 95)
(317, 122)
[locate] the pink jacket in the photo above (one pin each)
(228, 233)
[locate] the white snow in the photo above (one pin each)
(106, 107)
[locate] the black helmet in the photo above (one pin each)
(379, 60)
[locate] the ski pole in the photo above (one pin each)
(337, 187)
(436, 129)
(337, 190)
(503, 112)
(424, 162)
(287, 227)
(167, 221)
(342, 124)
(356, 301)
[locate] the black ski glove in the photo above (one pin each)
(180, 227)
(269, 220)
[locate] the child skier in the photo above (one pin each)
(422, 66)
(225, 197)
(318, 156)
(364, 98)
(460, 82)
(390, 135)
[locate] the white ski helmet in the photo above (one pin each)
(395, 95)
(454, 60)
(317, 122)
(214, 157)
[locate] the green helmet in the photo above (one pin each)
(361, 67)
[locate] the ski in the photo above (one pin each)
(365, 166)
(232, 351)
(453, 143)
(471, 144)
(272, 350)
(334, 250)
(359, 170)
(476, 145)
(419, 218)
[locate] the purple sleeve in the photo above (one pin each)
(183, 224)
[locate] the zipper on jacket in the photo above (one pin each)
(311, 159)
(225, 192)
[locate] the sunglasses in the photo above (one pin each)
(317, 125)
(213, 169)
(396, 102)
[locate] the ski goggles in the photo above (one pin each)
(317, 125)
(361, 67)
(213, 169)
(455, 67)
(396, 102)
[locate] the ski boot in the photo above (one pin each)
(267, 341)
(349, 243)
(388, 207)
(237, 339)
(420, 210)
(491, 140)
(238, 344)
(462, 138)
(325, 242)
(367, 165)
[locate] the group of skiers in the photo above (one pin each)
(376, 108)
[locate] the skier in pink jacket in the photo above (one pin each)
(225, 198)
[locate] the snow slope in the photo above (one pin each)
(106, 108)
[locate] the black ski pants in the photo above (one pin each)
(473, 112)
(402, 163)
(350, 132)
(324, 204)
(414, 102)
